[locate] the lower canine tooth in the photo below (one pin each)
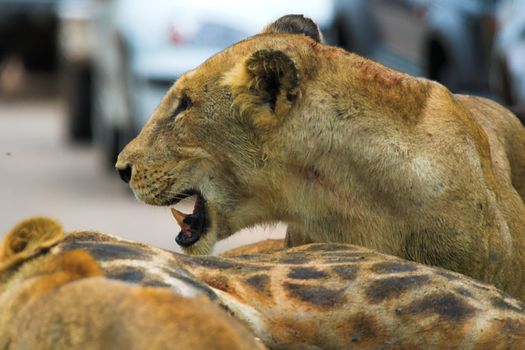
(179, 216)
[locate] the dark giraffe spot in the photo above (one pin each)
(316, 295)
(306, 273)
(110, 251)
(391, 287)
(448, 275)
(257, 258)
(340, 254)
(345, 257)
(501, 304)
(205, 289)
(126, 273)
(156, 283)
(245, 257)
(325, 247)
(447, 306)
(222, 263)
(346, 272)
(338, 260)
(393, 267)
(210, 262)
(175, 271)
(261, 283)
(294, 259)
(465, 292)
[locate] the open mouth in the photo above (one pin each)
(193, 225)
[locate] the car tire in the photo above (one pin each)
(504, 84)
(440, 66)
(107, 140)
(78, 96)
(111, 140)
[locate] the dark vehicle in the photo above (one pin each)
(75, 33)
(508, 61)
(28, 29)
(447, 40)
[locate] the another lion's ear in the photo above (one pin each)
(295, 24)
(264, 86)
(27, 239)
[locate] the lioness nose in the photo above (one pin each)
(125, 172)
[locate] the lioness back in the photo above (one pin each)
(506, 137)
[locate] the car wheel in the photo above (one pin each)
(440, 66)
(105, 133)
(111, 140)
(343, 37)
(78, 96)
(107, 139)
(504, 84)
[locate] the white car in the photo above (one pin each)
(142, 47)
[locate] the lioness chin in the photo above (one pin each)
(280, 127)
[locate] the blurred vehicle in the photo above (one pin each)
(76, 44)
(28, 29)
(508, 64)
(446, 40)
(139, 49)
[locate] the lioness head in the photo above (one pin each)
(220, 134)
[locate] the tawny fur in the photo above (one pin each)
(284, 128)
(317, 296)
(64, 302)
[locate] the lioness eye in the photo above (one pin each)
(184, 103)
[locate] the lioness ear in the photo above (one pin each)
(295, 24)
(264, 86)
(27, 239)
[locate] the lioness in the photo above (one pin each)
(282, 127)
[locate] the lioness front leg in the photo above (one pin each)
(295, 236)
(267, 246)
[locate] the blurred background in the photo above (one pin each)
(79, 78)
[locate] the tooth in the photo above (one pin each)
(179, 216)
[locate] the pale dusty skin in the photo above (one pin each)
(316, 296)
(283, 128)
